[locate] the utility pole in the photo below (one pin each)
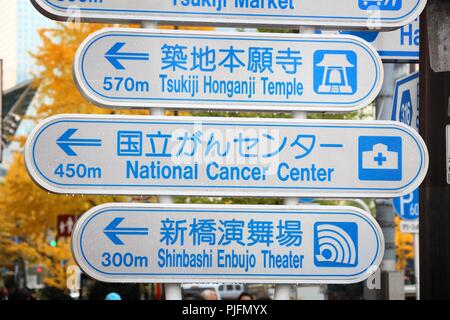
(392, 282)
(434, 117)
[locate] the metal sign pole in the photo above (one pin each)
(417, 264)
(282, 291)
(173, 290)
(406, 96)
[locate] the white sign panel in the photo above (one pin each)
(409, 226)
(137, 68)
(99, 154)
(247, 244)
(400, 45)
(348, 13)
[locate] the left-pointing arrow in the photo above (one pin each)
(112, 231)
(66, 142)
(114, 56)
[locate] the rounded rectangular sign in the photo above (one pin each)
(137, 68)
(367, 14)
(135, 155)
(141, 243)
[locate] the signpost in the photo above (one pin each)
(130, 155)
(406, 110)
(139, 68)
(143, 243)
(98, 154)
(400, 45)
(274, 13)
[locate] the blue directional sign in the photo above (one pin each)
(124, 68)
(245, 244)
(223, 156)
(367, 14)
(400, 45)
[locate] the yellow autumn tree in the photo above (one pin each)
(28, 214)
(57, 91)
(404, 246)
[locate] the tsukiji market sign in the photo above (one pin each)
(367, 14)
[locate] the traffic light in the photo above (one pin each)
(52, 239)
(35, 277)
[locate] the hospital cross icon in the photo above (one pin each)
(335, 72)
(380, 158)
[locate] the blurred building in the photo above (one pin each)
(19, 23)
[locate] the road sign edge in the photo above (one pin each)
(64, 117)
(367, 217)
(94, 98)
(51, 13)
